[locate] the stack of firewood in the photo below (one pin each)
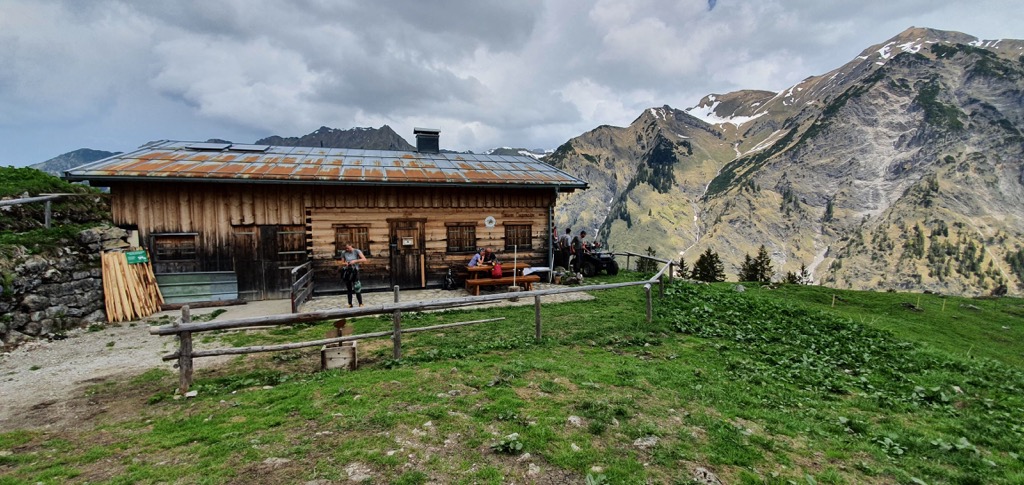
(130, 290)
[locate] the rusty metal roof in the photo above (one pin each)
(211, 162)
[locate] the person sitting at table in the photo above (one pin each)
(477, 258)
(489, 257)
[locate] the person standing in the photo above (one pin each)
(578, 247)
(564, 248)
(351, 258)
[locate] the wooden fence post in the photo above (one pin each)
(647, 290)
(661, 287)
(627, 261)
(396, 337)
(46, 215)
(671, 269)
(184, 353)
(536, 317)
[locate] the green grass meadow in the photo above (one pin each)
(788, 384)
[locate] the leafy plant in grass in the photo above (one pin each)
(599, 479)
(509, 445)
(790, 354)
(256, 378)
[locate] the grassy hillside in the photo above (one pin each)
(24, 224)
(763, 386)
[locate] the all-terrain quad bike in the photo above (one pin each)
(596, 260)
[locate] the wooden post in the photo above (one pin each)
(627, 261)
(943, 304)
(661, 287)
(536, 317)
(184, 353)
(46, 216)
(671, 269)
(423, 271)
(647, 290)
(833, 301)
(396, 337)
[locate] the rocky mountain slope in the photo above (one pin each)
(900, 169)
(57, 165)
(383, 138)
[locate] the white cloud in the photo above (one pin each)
(529, 73)
(60, 66)
(249, 82)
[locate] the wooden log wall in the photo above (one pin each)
(212, 209)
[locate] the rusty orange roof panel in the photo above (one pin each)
(170, 160)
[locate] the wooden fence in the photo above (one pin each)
(184, 328)
(43, 198)
(302, 286)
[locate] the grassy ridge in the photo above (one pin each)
(24, 224)
(764, 386)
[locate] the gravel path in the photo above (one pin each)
(39, 380)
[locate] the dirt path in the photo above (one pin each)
(43, 384)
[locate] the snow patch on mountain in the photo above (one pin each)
(912, 47)
(707, 114)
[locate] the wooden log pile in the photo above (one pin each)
(130, 290)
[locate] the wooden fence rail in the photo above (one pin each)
(184, 328)
(302, 286)
(44, 198)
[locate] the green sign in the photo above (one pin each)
(136, 257)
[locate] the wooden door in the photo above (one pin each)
(263, 258)
(407, 253)
(281, 248)
(245, 258)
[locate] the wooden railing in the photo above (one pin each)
(184, 328)
(43, 198)
(671, 264)
(302, 286)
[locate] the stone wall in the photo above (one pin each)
(45, 295)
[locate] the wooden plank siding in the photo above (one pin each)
(216, 212)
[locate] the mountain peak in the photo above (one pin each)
(899, 169)
(57, 165)
(383, 138)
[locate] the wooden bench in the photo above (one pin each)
(473, 285)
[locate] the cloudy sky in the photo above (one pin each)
(114, 74)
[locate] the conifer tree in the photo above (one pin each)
(757, 269)
(683, 271)
(645, 265)
(805, 276)
(763, 266)
(708, 267)
(801, 278)
(748, 270)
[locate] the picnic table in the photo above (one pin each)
(481, 276)
(484, 270)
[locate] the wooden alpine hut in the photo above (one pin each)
(219, 218)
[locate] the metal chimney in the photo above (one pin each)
(427, 140)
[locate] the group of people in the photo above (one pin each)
(483, 256)
(567, 247)
(569, 250)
